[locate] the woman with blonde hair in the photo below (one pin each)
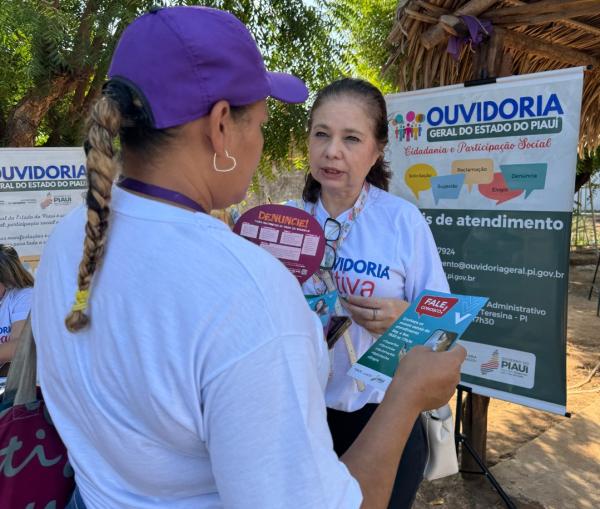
(15, 300)
(180, 363)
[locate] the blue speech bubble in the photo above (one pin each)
(447, 186)
(529, 176)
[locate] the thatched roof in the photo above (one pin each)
(528, 36)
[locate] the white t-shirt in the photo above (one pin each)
(14, 306)
(200, 381)
(388, 252)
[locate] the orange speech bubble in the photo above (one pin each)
(476, 171)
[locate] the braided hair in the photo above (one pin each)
(119, 111)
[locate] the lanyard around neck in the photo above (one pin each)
(137, 186)
(324, 276)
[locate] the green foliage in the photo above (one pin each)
(52, 35)
(46, 40)
(293, 37)
(589, 162)
(364, 27)
(15, 55)
(318, 40)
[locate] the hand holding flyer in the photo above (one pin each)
(435, 319)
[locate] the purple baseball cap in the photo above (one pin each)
(182, 60)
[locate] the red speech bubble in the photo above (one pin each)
(433, 305)
(498, 190)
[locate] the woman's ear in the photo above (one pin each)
(380, 154)
(376, 157)
(219, 127)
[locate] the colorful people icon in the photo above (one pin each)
(419, 119)
(399, 125)
(408, 130)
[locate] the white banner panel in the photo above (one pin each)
(38, 186)
(492, 168)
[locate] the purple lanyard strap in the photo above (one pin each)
(159, 192)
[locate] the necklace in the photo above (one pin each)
(138, 186)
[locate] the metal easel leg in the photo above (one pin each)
(594, 279)
(460, 438)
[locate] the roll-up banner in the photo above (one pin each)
(38, 186)
(492, 168)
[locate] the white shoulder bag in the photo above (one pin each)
(441, 455)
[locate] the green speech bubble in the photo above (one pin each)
(527, 176)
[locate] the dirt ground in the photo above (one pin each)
(511, 426)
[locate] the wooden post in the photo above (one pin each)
(506, 64)
(495, 51)
(474, 422)
(489, 60)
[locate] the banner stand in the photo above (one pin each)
(461, 439)
(462, 145)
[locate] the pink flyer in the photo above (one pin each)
(288, 233)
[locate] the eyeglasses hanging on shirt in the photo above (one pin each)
(332, 229)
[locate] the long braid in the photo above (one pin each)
(102, 167)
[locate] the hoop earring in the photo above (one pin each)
(232, 167)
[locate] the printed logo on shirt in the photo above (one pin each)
(5, 334)
(362, 267)
(362, 285)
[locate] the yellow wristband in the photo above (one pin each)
(81, 300)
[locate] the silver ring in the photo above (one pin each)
(374, 314)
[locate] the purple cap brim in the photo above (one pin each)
(287, 88)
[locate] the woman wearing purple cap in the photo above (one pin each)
(189, 372)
